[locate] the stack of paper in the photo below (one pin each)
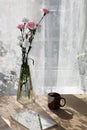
(33, 120)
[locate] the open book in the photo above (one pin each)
(33, 120)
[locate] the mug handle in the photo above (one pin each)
(64, 102)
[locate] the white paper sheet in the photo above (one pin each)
(33, 120)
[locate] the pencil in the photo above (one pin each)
(40, 122)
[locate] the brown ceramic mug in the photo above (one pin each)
(55, 101)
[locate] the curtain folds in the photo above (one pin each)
(65, 47)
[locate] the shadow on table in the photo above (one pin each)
(63, 114)
(56, 128)
(77, 104)
(72, 101)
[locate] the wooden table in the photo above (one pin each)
(72, 117)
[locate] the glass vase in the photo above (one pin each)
(25, 92)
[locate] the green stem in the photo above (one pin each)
(22, 36)
(40, 20)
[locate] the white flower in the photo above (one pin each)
(20, 38)
(26, 44)
(25, 20)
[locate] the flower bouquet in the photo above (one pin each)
(28, 30)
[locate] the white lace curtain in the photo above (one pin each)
(64, 58)
(59, 50)
(65, 47)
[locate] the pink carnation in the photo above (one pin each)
(20, 26)
(46, 11)
(31, 25)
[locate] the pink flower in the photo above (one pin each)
(31, 25)
(20, 26)
(46, 11)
